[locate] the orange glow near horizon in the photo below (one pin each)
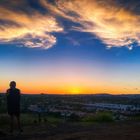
(69, 89)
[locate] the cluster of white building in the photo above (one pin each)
(67, 111)
(116, 107)
(63, 112)
(37, 108)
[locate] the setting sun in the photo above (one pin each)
(75, 90)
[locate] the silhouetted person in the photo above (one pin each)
(13, 105)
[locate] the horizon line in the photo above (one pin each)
(77, 94)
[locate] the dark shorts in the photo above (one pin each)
(14, 111)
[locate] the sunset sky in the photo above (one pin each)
(70, 46)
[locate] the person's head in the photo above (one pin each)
(12, 84)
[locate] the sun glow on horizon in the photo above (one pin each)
(75, 90)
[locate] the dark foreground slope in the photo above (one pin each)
(78, 131)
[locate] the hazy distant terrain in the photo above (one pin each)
(54, 125)
(27, 99)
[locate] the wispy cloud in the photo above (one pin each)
(73, 41)
(28, 29)
(112, 22)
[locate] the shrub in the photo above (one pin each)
(103, 117)
(88, 119)
(99, 117)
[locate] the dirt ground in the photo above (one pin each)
(77, 131)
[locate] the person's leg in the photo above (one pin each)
(11, 122)
(18, 122)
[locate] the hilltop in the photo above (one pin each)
(77, 131)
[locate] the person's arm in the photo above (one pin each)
(19, 94)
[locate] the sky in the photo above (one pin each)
(70, 46)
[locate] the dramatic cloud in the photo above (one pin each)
(113, 22)
(21, 24)
(32, 23)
